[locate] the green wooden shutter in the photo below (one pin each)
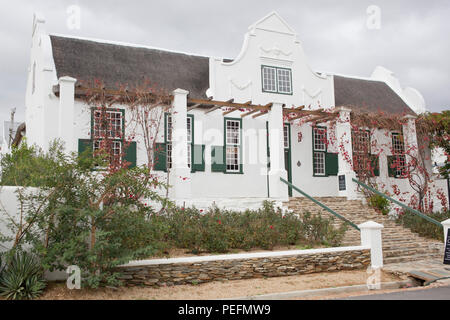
(218, 159)
(160, 157)
(198, 159)
(391, 168)
(331, 164)
(375, 164)
(130, 154)
(83, 145)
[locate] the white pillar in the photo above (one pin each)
(66, 125)
(345, 156)
(446, 225)
(410, 135)
(180, 174)
(277, 189)
(371, 237)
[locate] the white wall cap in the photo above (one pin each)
(180, 91)
(371, 225)
(240, 256)
(410, 117)
(67, 79)
(446, 223)
(344, 109)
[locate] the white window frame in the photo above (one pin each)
(233, 145)
(189, 137)
(398, 150)
(286, 136)
(360, 138)
(319, 152)
(284, 83)
(276, 80)
(269, 84)
(97, 130)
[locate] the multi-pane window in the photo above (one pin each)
(286, 136)
(108, 124)
(169, 126)
(269, 79)
(319, 150)
(284, 81)
(361, 151)
(319, 163)
(398, 151)
(233, 145)
(107, 132)
(276, 80)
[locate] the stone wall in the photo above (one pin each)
(167, 272)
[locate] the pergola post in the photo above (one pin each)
(277, 189)
(66, 126)
(180, 174)
(345, 154)
(410, 135)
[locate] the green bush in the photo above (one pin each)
(422, 226)
(380, 203)
(81, 216)
(22, 277)
(220, 231)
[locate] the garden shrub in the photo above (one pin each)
(220, 231)
(380, 203)
(423, 227)
(21, 277)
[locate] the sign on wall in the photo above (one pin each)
(447, 249)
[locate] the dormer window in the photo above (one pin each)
(276, 80)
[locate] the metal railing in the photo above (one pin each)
(420, 214)
(321, 204)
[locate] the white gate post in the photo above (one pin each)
(180, 174)
(277, 189)
(345, 154)
(66, 126)
(371, 237)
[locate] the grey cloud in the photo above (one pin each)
(412, 41)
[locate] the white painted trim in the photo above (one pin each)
(241, 256)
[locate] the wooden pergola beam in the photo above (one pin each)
(195, 106)
(260, 114)
(235, 108)
(249, 113)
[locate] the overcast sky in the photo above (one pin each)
(412, 41)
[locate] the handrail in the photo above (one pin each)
(320, 204)
(420, 214)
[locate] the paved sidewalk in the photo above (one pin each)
(439, 293)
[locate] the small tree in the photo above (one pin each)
(80, 216)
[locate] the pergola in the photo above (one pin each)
(209, 105)
(257, 110)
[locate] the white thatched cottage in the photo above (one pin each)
(271, 74)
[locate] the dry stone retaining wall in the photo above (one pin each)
(167, 272)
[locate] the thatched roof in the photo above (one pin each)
(368, 96)
(114, 64)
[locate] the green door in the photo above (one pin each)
(287, 154)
